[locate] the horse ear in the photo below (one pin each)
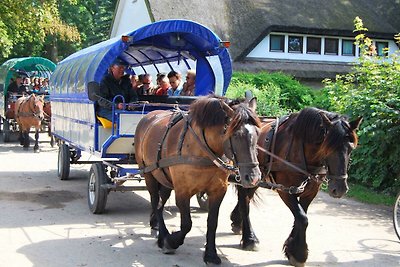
(327, 122)
(253, 104)
(356, 123)
(248, 95)
(229, 111)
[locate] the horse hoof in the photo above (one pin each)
(36, 150)
(237, 230)
(211, 260)
(250, 245)
(166, 249)
(295, 263)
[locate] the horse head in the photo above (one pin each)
(339, 140)
(36, 104)
(241, 139)
(231, 128)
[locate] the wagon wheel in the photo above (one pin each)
(63, 162)
(97, 194)
(396, 216)
(202, 199)
(6, 132)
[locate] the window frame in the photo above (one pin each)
(353, 54)
(381, 52)
(301, 44)
(336, 40)
(282, 43)
(308, 43)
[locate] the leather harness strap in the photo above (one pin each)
(26, 114)
(162, 163)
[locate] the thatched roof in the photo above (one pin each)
(245, 23)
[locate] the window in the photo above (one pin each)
(331, 46)
(276, 43)
(295, 44)
(313, 45)
(348, 48)
(381, 48)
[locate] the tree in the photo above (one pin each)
(25, 25)
(372, 90)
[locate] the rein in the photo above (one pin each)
(292, 189)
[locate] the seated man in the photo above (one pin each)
(175, 80)
(147, 86)
(17, 87)
(112, 84)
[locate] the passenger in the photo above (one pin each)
(190, 84)
(175, 80)
(140, 80)
(115, 83)
(163, 84)
(147, 86)
(36, 85)
(134, 82)
(16, 87)
(45, 86)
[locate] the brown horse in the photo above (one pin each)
(297, 154)
(29, 113)
(187, 152)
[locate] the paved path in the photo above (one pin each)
(46, 222)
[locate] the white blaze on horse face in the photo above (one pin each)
(247, 160)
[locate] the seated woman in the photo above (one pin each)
(190, 85)
(163, 84)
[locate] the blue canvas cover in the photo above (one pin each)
(157, 47)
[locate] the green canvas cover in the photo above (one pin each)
(32, 66)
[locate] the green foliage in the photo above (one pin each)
(276, 93)
(52, 28)
(25, 24)
(371, 90)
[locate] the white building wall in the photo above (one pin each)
(130, 15)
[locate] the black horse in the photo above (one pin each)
(297, 154)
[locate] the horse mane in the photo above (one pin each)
(309, 127)
(207, 111)
(243, 114)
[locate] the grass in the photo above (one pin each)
(366, 195)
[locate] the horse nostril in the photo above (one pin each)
(247, 177)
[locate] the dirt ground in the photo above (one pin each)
(46, 222)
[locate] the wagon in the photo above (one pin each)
(163, 46)
(29, 66)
